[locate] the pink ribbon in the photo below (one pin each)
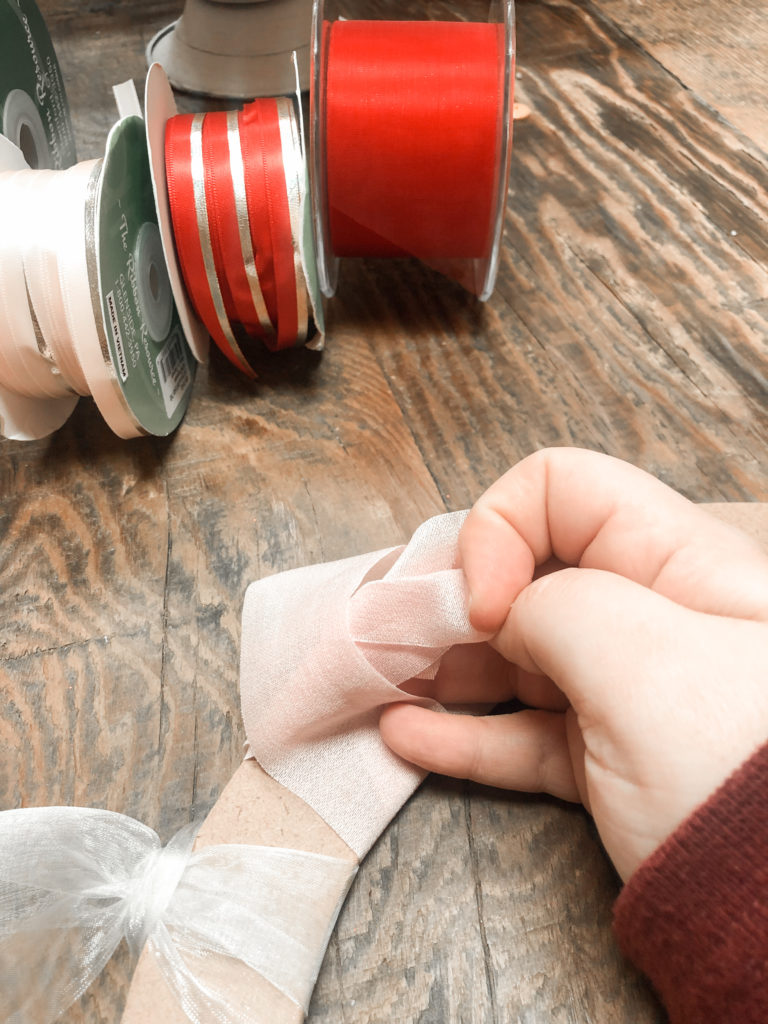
(325, 648)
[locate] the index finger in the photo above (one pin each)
(591, 510)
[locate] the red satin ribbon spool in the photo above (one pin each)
(412, 118)
(234, 228)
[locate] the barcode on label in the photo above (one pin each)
(173, 371)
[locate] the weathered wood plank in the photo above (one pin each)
(627, 318)
(724, 60)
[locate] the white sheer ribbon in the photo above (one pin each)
(75, 881)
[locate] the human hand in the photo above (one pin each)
(631, 622)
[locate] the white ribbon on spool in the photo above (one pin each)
(53, 344)
(75, 881)
(23, 125)
(26, 411)
(26, 367)
(40, 258)
(50, 345)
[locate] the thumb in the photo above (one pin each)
(597, 635)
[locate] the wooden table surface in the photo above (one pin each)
(631, 316)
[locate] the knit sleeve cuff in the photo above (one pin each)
(694, 916)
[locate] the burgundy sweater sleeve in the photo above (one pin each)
(694, 916)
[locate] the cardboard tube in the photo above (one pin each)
(253, 809)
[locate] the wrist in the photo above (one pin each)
(694, 916)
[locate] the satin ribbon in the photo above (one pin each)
(38, 331)
(235, 185)
(313, 684)
(412, 115)
(53, 344)
(75, 881)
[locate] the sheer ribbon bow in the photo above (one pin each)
(75, 881)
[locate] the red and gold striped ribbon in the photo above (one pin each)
(235, 185)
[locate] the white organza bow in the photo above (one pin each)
(75, 881)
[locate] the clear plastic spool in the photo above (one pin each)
(476, 273)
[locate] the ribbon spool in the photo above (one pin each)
(87, 307)
(236, 49)
(34, 113)
(236, 188)
(411, 135)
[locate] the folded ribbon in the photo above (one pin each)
(75, 881)
(326, 647)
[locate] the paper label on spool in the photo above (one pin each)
(153, 365)
(34, 113)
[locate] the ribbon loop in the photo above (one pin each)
(313, 684)
(399, 643)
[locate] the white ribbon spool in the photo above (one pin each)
(75, 881)
(50, 350)
(23, 125)
(53, 334)
(25, 413)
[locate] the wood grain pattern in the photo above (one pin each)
(627, 318)
(723, 60)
